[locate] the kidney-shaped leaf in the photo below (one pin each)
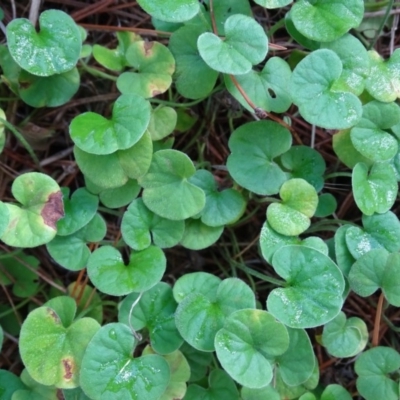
(167, 191)
(110, 371)
(95, 134)
(344, 337)
(245, 45)
(156, 312)
(34, 222)
(172, 11)
(54, 50)
(245, 344)
(109, 273)
(299, 202)
(253, 147)
(51, 351)
(373, 369)
(326, 20)
(313, 294)
(200, 316)
(313, 90)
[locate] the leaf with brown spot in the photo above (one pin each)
(53, 209)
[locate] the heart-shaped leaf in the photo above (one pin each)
(54, 50)
(155, 311)
(34, 222)
(114, 170)
(154, 64)
(222, 207)
(373, 368)
(221, 386)
(109, 273)
(306, 163)
(194, 78)
(167, 191)
(268, 89)
(140, 227)
(198, 235)
(270, 241)
(375, 189)
(79, 210)
(253, 147)
(109, 370)
(375, 270)
(48, 91)
(51, 351)
(325, 21)
(383, 82)
(380, 230)
(245, 45)
(176, 11)
(355, 62)
(299, 202)
(200, 316)
(369, 137)
(345, 337)
(312, 89)
(72, 252)
(162, 122)
(118, 197)
(246, 342)
(313, 294)
(95, 134)
(20, 270)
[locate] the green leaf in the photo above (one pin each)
(380, 230)
(344, 257)
(299, 202)
(245, 344)
(194, 78)
(110, 371)
(121, 196)
(355, 62)
(296, 366)
(369, 137)
(176, 11)
(155, 311)
(335, 392)
(167, 191)
(344, 337)
(325, 21)
(180, 373)
(162, 122)
(4, 217)
(95, 134)
(34, 222)
(373, 368)
(79, 210)
(313, 90)
(375, 189)
(114, 170)
(313, 294)
(221, 386)
(327, 205)
(74, 394)
(198, 361)
(54, 50)
(267, 392)
(383, 82)
(196, 282)
(51, 351)
(72, 252)
(34, 390)
(253, 147)
(298, 37)
(245, 45)
(48, 91)
(306, 163)
(198, 235)
(267, 89)
(273, 3)
(140, 227)
(109, 273)
(20, 271)
(154, 64)
(9, 384)
(200, 316)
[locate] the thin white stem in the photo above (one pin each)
(34, 11)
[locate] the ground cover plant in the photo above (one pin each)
(199, 200)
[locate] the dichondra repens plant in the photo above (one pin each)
(204, 336)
